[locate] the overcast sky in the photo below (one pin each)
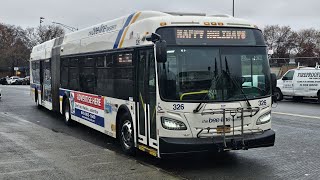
(83, 13)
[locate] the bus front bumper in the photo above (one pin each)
(191, 145)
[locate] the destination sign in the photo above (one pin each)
(210, 34)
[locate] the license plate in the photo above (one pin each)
(227, 129)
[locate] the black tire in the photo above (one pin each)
(67, 113)
(126, 135)
(278, 94)
(297, 98)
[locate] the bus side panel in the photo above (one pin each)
(111, 106)
(97, 112)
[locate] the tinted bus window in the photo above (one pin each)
(74, 74)
(87, 75)
(105, 75)
(36, 72)
(64, 73)
(123, 75)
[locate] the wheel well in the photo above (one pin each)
(278, 89)
(121, 111)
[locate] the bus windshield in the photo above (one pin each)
(194, 73)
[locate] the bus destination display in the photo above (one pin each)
(211, 34)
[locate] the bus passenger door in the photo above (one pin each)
(146, 99)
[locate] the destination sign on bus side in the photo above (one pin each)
(210, 34)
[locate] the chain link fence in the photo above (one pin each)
(280, 66)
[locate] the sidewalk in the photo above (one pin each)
(29, 151)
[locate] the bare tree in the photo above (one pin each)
(280, 39)
(49, 32)
(307, 42)
(13, 46)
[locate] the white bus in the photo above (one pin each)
(164, 83)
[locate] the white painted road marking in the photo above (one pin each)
(297, 115)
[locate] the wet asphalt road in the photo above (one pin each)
(296, 154)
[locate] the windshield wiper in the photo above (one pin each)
(198, 108)
(227, 72)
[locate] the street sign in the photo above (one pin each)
(16, 68)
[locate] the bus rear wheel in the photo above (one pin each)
(126, 132)
(67, 113)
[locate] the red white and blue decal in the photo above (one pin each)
(88, 107)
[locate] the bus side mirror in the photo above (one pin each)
(161, 47)
(161, 51)
(273, 86)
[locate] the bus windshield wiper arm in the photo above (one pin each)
(198, 108)
(227, 72)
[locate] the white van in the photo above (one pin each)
(298, 83)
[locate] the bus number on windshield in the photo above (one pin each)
(178, 106)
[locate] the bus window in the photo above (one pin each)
(87, 75)
(105, 80)
(64, 73)
(74, 74)
(123, 76)
(36, 72)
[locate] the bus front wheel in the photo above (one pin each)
(66, 113)
(127, 134)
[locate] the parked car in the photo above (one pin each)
(26, 80)
(15, 80)
(3, 81)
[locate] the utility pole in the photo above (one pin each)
(41, 20)
(40, 29)
(233, 8)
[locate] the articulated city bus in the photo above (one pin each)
(164, 83)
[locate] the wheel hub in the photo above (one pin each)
(126, 134)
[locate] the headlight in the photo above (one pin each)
(265, 118)
(172, 124)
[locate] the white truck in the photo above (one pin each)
(299, 83)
